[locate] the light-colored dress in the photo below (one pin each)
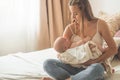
(81, 52)
(97, 38)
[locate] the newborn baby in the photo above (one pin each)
(78, 54)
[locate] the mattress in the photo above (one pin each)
(24, 66)
(29, 66)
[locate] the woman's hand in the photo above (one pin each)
(89, 62)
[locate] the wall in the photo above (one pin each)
(108, 6)
(19, 20)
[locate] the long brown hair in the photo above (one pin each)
(85, 8)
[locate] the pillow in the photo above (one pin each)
(117, 34)
(113, 21)
(117, 38)
(117, 41)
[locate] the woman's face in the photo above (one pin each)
(75, 13)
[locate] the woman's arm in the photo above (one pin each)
(67, 32)
(101, 48)
(110, 50)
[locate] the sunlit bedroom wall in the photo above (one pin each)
(19, 21)
(107, 6)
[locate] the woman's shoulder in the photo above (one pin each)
(99, 22)
(102, 26)
(102, 23)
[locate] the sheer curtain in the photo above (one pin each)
(19, 22)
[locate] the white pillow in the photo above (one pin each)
(117, 41)
(112, 20)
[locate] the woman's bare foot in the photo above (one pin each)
(68, 79)
(46, 78)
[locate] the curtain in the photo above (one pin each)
(19, 21)
(54, 17)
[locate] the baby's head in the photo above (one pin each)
(61, 44)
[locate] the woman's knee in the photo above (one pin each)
(49, 63)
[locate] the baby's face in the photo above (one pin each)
(61, 45)
(66, 44)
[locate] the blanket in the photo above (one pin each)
(78, 55)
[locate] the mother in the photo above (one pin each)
(83, 24)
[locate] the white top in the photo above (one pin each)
(96, 38)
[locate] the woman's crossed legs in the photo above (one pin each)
(61, 71)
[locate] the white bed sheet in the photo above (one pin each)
(24, 66)
(29, 66)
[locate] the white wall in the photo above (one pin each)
(108, 6)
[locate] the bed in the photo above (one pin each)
(24, 66)
(29, 66)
